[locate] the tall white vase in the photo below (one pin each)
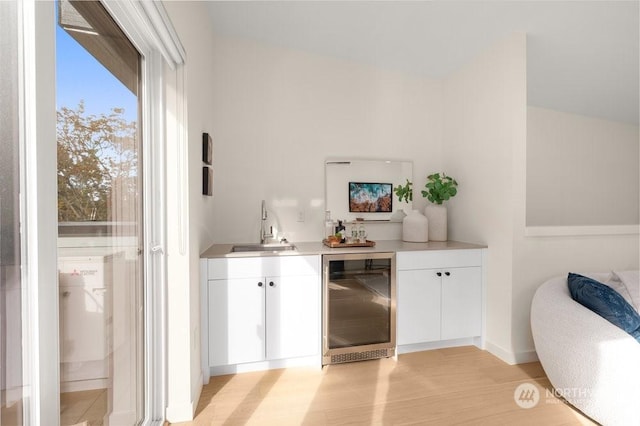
(415, 228)
(437, 215)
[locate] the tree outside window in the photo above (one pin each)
(97, 163)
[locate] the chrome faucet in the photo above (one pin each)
(263, 234)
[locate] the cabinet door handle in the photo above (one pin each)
(447, 273)
(260, 284)
(271, 284)
(439, 274)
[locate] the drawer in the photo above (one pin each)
(410, 260)
(248, 267)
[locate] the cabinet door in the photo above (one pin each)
(418, 306)
(461, 303)
(293, 316)
(236, 321)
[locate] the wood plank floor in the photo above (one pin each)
(462, 385)
(86, 408)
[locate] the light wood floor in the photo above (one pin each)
(10, 413)
(448, 386)
(86, 408)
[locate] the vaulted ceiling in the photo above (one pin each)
(582, 56)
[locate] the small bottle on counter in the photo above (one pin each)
(328, 224)
(341, 230)
(362, 234)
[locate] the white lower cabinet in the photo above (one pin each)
(293, 316)
(236, 321)
(261, 317)
(265, 312)
(461, 303)
(439, 296)
(418, 307)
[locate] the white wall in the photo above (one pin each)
(581, 170)
(185, 243)
(536, 259)
(278, 114)
(596, 143)
(484, 123)
(486, 147)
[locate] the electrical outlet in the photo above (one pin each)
(300, 215)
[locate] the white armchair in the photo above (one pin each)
(594, 364)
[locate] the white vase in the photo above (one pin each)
(398, 216)
(437, 215)
(415, 228)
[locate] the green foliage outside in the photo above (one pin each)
(97, 157)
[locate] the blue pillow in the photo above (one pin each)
(606, 302)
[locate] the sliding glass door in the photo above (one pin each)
(100, 231)
(12, 351)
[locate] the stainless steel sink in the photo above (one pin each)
(263, 247)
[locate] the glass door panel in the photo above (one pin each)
(12, 352)
(359, 307)
(359, 302)
(99, 215)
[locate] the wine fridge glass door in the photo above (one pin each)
(359, 306)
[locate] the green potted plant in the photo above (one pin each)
(415, 227)
(404, 194)
(439, 188)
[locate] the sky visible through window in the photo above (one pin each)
(79, 76)
(97, 151)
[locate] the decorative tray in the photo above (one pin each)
(333, 244)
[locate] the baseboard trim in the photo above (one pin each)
(179, 412)
(504, 355)
(196, 392)
(186, 412)
(13, 395)
(439, 344)
(84, 385)
(310, 361)
(525, 357)
(509, 357)
(182, 412)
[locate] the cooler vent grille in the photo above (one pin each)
(360, 356)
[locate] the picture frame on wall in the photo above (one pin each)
(370, 197)
(207, 181)
(207, 148)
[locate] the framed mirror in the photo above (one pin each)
(363, 189)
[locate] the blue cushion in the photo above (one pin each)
(606, 302)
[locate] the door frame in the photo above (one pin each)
(150, 30)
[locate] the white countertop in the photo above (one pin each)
(315, 248)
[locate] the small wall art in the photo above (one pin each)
(207, 180)
(207, 149)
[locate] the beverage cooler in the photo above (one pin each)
(359, 307)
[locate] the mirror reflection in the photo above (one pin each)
(363, 188)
